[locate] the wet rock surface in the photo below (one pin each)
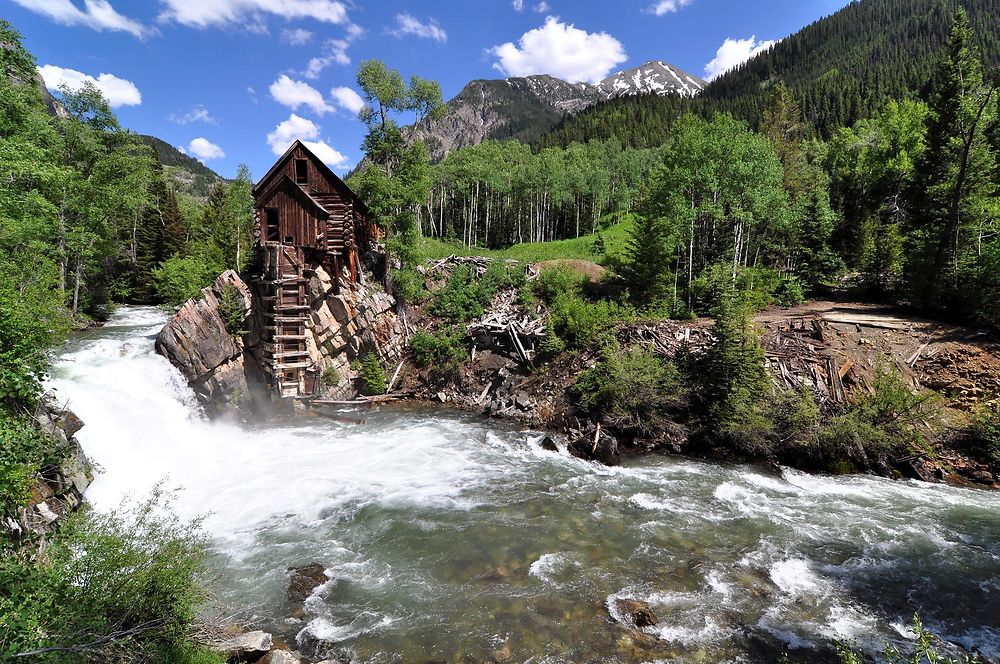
(635, 613)
(245, 646)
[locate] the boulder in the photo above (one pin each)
(304, 580)
(246, 646)
(635, 613)
(596, 445)
(280, 657)
(548, 444)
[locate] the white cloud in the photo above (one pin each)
(96, 14)
(518, 5)
(205, 13)
(733, 53)
(335, 52)
(541, 7)
(307, 131)
(118, 91)
(669, 6)
(348, 99)
(296, 37)
(561, 50)
(295, 94)
(408, 24)
(197, 114)
(205, 149)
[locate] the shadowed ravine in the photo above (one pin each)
(451, 536)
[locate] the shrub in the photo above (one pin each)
(408, 286)
(330, 377)
(460, 300)
(631, 389)
(550, 345)
(789, 292)
(180, 279)
(372, 376)
(23, 450)
(501, 276)
(924, 651)
(580, 322)
(556, 281)
(232, 310)
(128, 583)
(443, 351)
(985, 434)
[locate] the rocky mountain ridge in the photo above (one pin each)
(523, 108)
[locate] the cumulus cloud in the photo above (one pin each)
(197, 114)
(348, 99)
(205, 149)
(408, 24)
(669, 6)
(96, 14)
(733, 53)
(307, 131)
(118, 91)
(518, 5)
(296, 37)
(334, 52)
(561, 50)
(541, 7)
(296, 94)
(205, 13)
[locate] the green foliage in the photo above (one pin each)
(461, 299)
(330, 377)
(372, 378)
(442, 352)
(408, 286)
(631, 389)
(984, 434)
(182, 278)
(789, 292)
(135, 573)
(580, 322)
(233, 311)
(556, 281)
(924, 650)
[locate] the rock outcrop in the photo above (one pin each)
(58, 488)
(214, 361)
(228, 373)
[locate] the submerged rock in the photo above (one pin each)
(635, 613)
(596, 445)
(303, 581)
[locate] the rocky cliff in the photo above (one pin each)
(229, 374)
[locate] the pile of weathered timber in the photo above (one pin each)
(478, 264)
(665, 337)
(506, 325)
(797, 357)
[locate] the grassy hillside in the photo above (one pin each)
(582, 248)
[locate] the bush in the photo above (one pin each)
(631, 389)
(180, 279)
(461, 299)
(330, 377)
(232, 310)
(443, 351)
(408, 286)
(556, 281)
(580, 322)
(985, 434)
(789, 292)
(23, 451)
(128, 583)
(372, 376)
(924, 651)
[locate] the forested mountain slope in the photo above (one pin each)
(189, 175)
(844, 67)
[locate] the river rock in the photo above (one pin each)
(280, 657)
(548, 444)
(303, 581)
(596, 446)
(246, 646)
(635, 613)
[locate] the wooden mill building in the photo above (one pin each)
(306, 217)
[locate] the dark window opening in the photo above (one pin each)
(273, 234)
(289, 239)
(301, 171)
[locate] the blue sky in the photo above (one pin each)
(234, 81)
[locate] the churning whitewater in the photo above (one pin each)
(445, 536)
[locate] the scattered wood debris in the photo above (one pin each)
(506, 325)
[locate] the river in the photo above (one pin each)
(450, 538)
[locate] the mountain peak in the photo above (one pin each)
(653, 77)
